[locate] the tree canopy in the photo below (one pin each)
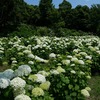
(15, 12)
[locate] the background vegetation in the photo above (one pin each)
(19, 18)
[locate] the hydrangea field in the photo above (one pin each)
(48, 68)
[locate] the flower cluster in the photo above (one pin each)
(37, 92)
(23, 70)
(17, 82)
(22, 97)
(4, 83)
(37, 78)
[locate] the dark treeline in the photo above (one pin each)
(16, 12)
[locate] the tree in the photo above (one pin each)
(95, 19)
(33, 15)
(46, 9)
(78, 18)
(12, 13)
(82, 18)
(65, 5)
(64, 9)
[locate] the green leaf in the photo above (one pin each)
(76, 87)
(73, 94)
(70, 86)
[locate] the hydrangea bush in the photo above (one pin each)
(48, 68)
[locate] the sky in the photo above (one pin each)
(73, 2)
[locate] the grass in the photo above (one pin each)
(3, 68)
(94, 83)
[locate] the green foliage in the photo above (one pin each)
(46, 9)
(12, 13)
(44, 31)
(65, 5)
(6, 94)
(23, 30)
(16, 12)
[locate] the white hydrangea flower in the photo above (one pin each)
(1, 52)
(72, 65)
(69, 56)
(66, 62)
(82, 73)
(40, 78)
(13, 58)
(88, 57)
(85, 93)
(18, 82)
(20, 53)
(31, 62)
(35, 47)
(22, 97)
(32, 77)
(44, 73)
(73, 71)
(76, 50)
(74, 59)
(23, 70)
(55, 72)
(98, 52)
(81, 62)
(4, 83)
(37, 92)
(31, 56)
(60, 69)
(45, 85)
(52, 55)
(27, 52)
(97, 48)
(88, 77)
(83, 53)
(1, 48)
(14, 62)
(37, 78)
(88, 88)
(39, 59)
